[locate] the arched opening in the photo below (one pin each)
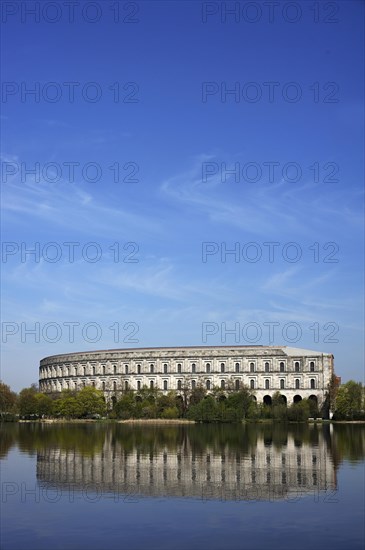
(267, 400)
(165, 385)
(252, 384)
(252, 367)
(207, 367)
(193, 368)
(222, 367)
(179, 368)
(312, 384)
(114, 401)
(283, 399)
(223, 384)
(282, 366)
(296, 366)
(208, 384)
(237, 384)
(282, 384)
(267, 384)
(222, 398)
(297, 398)
(253, 397)
(313, 406)
(267, 367)
(237, 367)
(138, 399)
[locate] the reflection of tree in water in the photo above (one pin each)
(9, 437)
(348, 442)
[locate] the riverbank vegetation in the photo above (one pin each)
(196, 405)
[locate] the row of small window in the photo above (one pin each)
(252, 367)
(208, 384)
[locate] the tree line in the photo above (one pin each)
(193, 404)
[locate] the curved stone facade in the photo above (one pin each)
(295, 373)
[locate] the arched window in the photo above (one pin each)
(282, 366)
(208, 384)
(267, 367)
(152, 368)
(297, 384)
(193, 384)
(179, 384)
(207, 367)
(151, 384)
(267, 384)
(138, 385)
(311, 366)
(126, 369)
(115, 369)
(103, 386)
(126, 385)
(282, 384)
(237, 367)
(313, 384)
(237, 384)
(222, 367)
(83, 371)
(139, 369)
(93, 371)
(193, 368)
(165, 368)
(252, 367)
(114, 386)
(223, 384)
(165, 384)
(103, 369)
(179, 368)
(297, 366)
(252, 384)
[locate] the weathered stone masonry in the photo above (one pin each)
(295, 373)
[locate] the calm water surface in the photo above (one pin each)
(190, 487)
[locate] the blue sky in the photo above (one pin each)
(135, 157)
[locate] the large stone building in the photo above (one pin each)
(295, 373)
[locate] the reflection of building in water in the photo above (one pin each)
(265, 471)
(295, 373)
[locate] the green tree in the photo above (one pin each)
(27, 402)
(7, 398)
(349, 400)
(299, 412)
(67, 406)
(91, 401)
(240, 401)
(125, 407)
(44, 404)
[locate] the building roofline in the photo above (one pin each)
(173, 348)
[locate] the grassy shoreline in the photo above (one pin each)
(172, 421)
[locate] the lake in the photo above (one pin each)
(254, 486)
